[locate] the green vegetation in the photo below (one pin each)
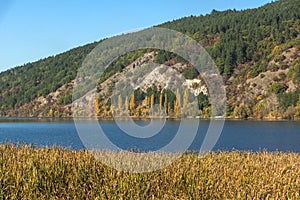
(233, 37)
(277, 88)
(244, 45)
(288, 99)
(294, 72)
(23, 84)
(119, 64)
(55, 173)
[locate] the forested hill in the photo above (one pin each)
(236, 37)
(256, 51)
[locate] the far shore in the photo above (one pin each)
(83, 118)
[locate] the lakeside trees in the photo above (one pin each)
(162, 103)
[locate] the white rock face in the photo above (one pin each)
(196, 86)
(163, 76)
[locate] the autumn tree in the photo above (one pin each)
(126, 104)
(96, 104)
(131, 104)
(177, 104)
(120, 103)
(152, 100)
(160, 101)
(166, 103)
(185, 99)
(50, 114)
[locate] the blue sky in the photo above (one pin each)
(34, 29)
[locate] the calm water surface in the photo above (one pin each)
(239, 135)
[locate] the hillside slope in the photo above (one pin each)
(256, 51)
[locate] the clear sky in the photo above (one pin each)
(34, 29)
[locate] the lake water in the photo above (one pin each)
(239, 135)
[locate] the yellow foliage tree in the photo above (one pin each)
(177, 104)
(96, 104)
(160, 101)
(152, 100)
(298, 107)
(166, 102)
(126, 103)
(120, 103)
(50, 114)
(146, 101)
(119, 110)
(178, 96)
(185, 98)
(105, 113)
(111, 111)
(131, 104)
(169, 109)
(176, 107)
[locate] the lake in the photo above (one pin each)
(238, 135)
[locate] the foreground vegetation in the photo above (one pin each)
(55, 173)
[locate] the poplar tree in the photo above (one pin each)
(152, 100)
(126, 103)
(166, 102)
(185, 98)
(96, 104)
(131, 104)
(120, 103)
(160, 101)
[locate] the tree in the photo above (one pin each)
(166, 103)
(50, 114)
(185, 98)
(126, 104)
(298, 108)
(277, 88)
(152, 100)
(120, 103)
(177, 104)
(160, 101)
(111, 111)
(146, 101)
(190, 73)
(96, 104)
(202, 101)
(132, 103)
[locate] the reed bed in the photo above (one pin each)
(57, 173)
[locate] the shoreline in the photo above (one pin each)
(37, 118)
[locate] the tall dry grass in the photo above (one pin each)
(55, 173)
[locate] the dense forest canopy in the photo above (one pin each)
(236, 37)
